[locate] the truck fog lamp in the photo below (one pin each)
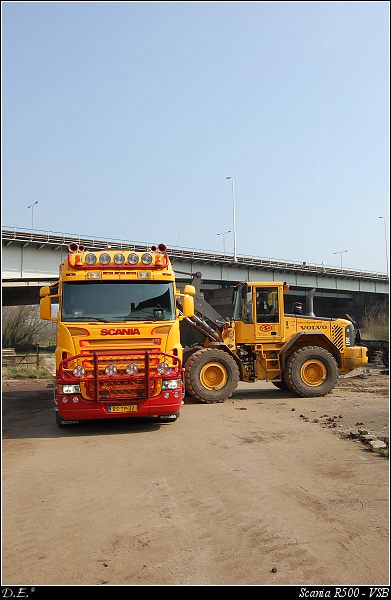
(146, 258)
(163, 368)
(111, 369)
(119, 258)
(90, 258)
(133, 258)
(131, 369)
(104, 258)
(176, 394)
(79, 371)
(166, 394)
(75, 399)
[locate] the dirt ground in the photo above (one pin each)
(264, 489)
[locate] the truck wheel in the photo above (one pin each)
(385, 358)
(311, 371)
(211, 375)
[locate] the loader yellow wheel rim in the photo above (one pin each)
(213, 376)
(313, 372)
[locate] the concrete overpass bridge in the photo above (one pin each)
(30, 259)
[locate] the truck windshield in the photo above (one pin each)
(111, 301)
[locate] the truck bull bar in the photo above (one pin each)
(103, 376)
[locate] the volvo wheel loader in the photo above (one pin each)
(297, 352)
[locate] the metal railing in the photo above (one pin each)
(10, 234)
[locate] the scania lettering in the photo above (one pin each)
(132, 366)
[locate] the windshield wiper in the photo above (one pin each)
(84, 318)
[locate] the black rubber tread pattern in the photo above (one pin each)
(293, 366)
(193, 368)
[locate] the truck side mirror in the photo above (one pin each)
(45, 308)
(188, 306)
(44, 291)
(190, 289)
(244, 291)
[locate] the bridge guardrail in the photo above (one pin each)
(64, 239)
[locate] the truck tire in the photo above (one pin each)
(211, 375)
(385, 357)
(311, 371)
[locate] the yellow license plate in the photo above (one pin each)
(128, 408)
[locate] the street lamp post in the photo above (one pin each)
(233, 205)
(223, 234)
(340, 253)
(32, 217)
(385, 238)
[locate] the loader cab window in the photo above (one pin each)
(243, 304)
(267, 305)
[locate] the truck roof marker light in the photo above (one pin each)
(90, 258)
(78, 259)
(104, 258)
(119, 258)
(146, 258)
(159, 260)
(133, 258)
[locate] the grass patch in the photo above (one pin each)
(25, 372)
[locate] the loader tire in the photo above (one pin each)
(311, 371)
(211, 375)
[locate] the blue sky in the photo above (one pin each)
(123, 120)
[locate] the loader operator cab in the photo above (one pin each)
(266, 304)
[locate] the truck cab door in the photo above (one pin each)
(268, 313)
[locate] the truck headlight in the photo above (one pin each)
(119, 258)
(131, 369)
(104, 258)
(163, 368)
(111, 369)
(68, 389)
(171, 384)
(133, 258)
(146, 258)
(79, 371)
(90, 258)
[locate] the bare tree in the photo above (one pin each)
(22, 325)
